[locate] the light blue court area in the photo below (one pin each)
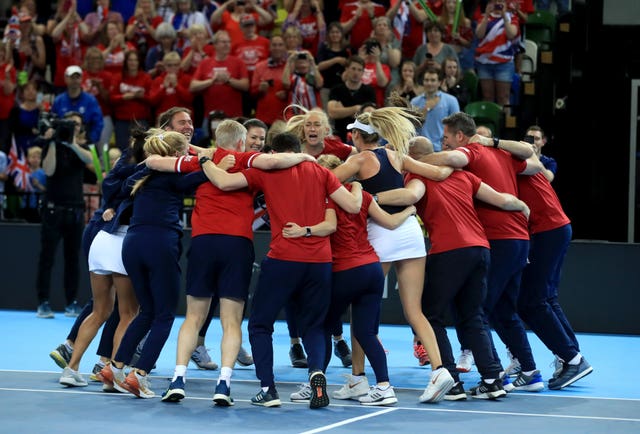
(32, 401)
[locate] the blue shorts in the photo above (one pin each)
(496, 71)
(220, 265)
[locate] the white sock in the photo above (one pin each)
(225, 374)
(180, 371)
(576, 360)
(528, 372)
(69, 346)
(115, 370)
(265, 389)
(337, 339)
(489, 380)
(383, 387)
(101, 363)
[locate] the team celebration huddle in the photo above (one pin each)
(341, 216)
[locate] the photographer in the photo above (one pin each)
(302, 78)
(62, 207)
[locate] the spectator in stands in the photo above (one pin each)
(357, 20)
(170, 89)
(462, 40)
(433, 53)
(62, 213)
(74, 99)
(376, 74)
(113, 47)
(184, 17)
(252, 49)
(407, 21)
(99, 83)
(332, 58)
(130, 98)
(539, 140)
(436, 105)
(39, 20)
(31, 210)
(24, 117)
(67, 32)
(453, 82)
(292, 39)
(7, 95)
(346, 99)
(303, 80)
(390, 53)
(406, 86)
(222, 79)
(166, 37)
(141, 27)
(227, 17)
(97, 21)
(309, 18)
(29, 56)
(266, 83)
(495, 52)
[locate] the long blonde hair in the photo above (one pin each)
(295, 124)
(395, 124)
(163, 143)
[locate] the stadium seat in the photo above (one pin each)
(486, 113)
(541, 29)
(471, 81)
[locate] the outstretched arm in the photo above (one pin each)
(521, 150)
(456, 159)
(322, 229)
(390, 221)
(410, 194)
(505, 201)
(223, 180)
(280, 161)
(349, 168)
(429, 171)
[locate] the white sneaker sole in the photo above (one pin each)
(386, 401)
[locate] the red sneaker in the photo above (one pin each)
(421, 354)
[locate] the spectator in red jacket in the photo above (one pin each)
(171, 89)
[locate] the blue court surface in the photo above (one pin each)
(32, 400)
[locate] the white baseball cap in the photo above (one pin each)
(73, 69)
(362, 127)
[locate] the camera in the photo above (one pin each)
(64, 129)
(369, 45)
(498, 6)
(529, 139)
(301, 55)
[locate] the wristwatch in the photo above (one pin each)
(496, 142)
(203, 160)
(308, 234)
(375, 198)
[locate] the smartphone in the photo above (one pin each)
(529, 139)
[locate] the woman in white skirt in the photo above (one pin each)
(379, 168)
(108, 276)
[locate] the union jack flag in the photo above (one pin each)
(18, 168)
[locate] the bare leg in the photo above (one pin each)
(488, 90)
(231, 320)
(127, 307)
(103, 301)
(197, 310)
(503, 92)
(410, 284)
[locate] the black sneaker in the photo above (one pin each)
(342, 351)
(269, 398)
(222, 395)
(175, 391)
(456, 393)
(570, 374)
(488, 391)
(61, 355)
(297, 356)
(319, 397)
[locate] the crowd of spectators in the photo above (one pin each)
(242, 58)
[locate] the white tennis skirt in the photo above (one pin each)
(105, 253)
(404, 242)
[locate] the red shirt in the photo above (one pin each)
(498, 169)
(269, 106)
(221, 96)
(137, 108)
(408, 30)
(89, 80)
(163, 98)
(546, 211)
(196, 60)
(349, 244)
(369, 77)
(448, 212)
(310, 33)
(363, 26)
(233, 27)
(115, 59)
(7, 101)
(141, 34)
(333, 145)
(219, 212)
(252, 51)
(298, 194)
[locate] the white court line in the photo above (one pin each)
(79, 391)
(348, 421)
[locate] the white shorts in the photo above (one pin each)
(404, 242)
(105, 253)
